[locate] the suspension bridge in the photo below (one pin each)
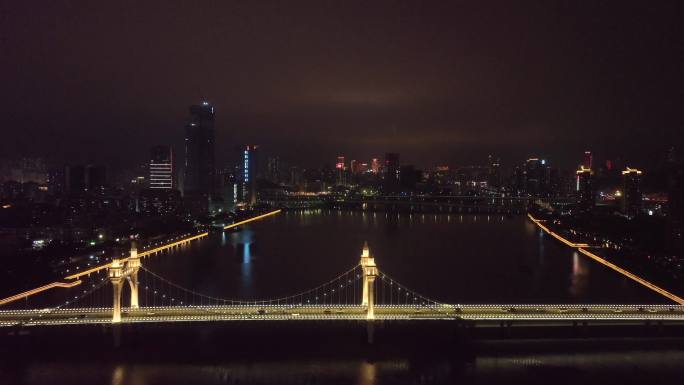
(131, 293)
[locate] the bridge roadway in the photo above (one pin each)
(482, 315)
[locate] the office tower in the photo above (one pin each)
(585, 188)
(555, 182)
(534, 175)
(161, 167)
(408, 177)
(159, 201)
(273, 169)
(248, 169)
(375, 165)
(56, 181)
(95, 178)
(391, 173)
(198, 181)
(75, 179)
(631, 192)
(354, 167)
(340, 179)
(295, 176)
(494, 175)
(199, 150)
(587, 161)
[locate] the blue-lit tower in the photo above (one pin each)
(248, 169)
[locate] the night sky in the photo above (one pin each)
(439, 82)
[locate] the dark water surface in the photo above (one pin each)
(449, 258)
(562, 366)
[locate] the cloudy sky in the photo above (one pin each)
(439, 82)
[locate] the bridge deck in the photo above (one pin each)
(481, 314)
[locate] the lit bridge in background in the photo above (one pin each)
(362, 293)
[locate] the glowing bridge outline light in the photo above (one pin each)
(581, 247)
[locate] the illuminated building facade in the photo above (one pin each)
(161, 167)
(375, 165)
(631, 193)
(248, 169)
(340, 172)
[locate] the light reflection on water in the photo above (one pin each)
(453, 258)
(624, 366)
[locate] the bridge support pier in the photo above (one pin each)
(116, 277)
(133, 266)
(370, 272)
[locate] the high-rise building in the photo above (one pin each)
(408, 177)
(375, 165)
(631, 193)
(56, 181)
(587, 161)
(295, 176)
(159, 201)
(391, 173)
(95, 177)
(161, 167)
(585, 188)
(494, 177)
(248, 169)
(273, 169)
(199, 150)
(534, 176)
(198, 181)
(75, 179)
(354, 166)
(340, 169)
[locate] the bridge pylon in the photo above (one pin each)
(120, 271)
(116, 277)
(370, 272)
(133, 266)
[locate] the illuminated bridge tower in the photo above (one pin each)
(117, 273)
(132, 267)
(370, 272)
(116, 277)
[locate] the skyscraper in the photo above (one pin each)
(391, 173)
(161, 167)
(631, 194)
(375, 165)
(340, 171)
(494, 172)
(199, 158)
(587, 161)
(354, 167)
(95, 177)
(248, 169)
(273, 169)
(75, 179)
(199, 150)
(585, 188)
(534, 176)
